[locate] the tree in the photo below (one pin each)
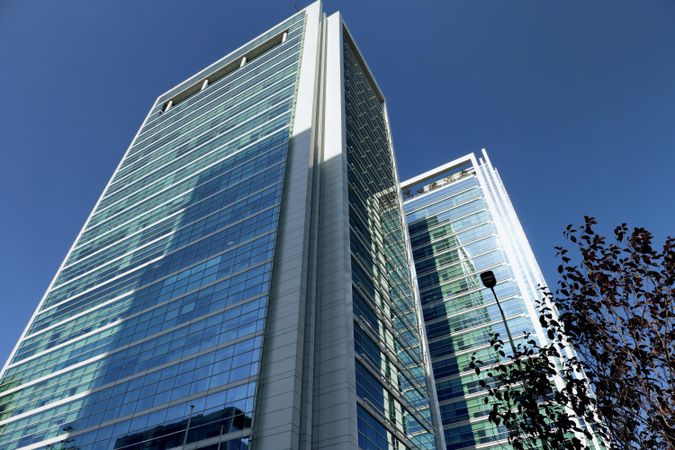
(616, 303)
(540, 393)
(614, 307)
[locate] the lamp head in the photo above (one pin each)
(488, 279)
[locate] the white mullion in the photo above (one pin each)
(442, 198)
(128, 378)
(214, 95)
(97, 237)
(120, 321)
(133, 291)
(206, 131)
(217, 149)
(164, 236)
(230, 131)
(162, 256)
(182, 210)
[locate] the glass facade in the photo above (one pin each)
(461, 224)
(245, 279)
(393, 408)
(150, 335)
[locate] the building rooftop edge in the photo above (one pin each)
(200, 73)
(470, 157)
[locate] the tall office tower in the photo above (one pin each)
(244, 280)
(461, 223)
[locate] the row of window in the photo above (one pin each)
(166, 424)
(444, 206)
(140, 282)
(213, 298)
(211, 215)
(379, 267)
(294, 26)
(112, 341)
(480, 337)
(214, 101)
(69, 354)
(160, 293)
(225, 70)
(215, 108)
(390, 371)
(438, 196)
(205, 203)
(104, 281)
(478, 242)
(160, 313)
(269, 79)
(461, 363)
(471, 319)
(222, 135)
(207, 333)
(466, 230)
(210, 153)
(466, 284)
(172, 199)
(158, 386)
(466, 263)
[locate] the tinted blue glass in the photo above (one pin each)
(151, 335)
(454, 239)
(390, 376)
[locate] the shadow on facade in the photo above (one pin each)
(184, 304)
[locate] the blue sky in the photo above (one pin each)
(574, 100)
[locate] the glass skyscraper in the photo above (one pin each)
(244, 280)
(461, 223)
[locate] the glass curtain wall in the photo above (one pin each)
(393, 407)
(454, 238)
(150, 336)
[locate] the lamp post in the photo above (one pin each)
(187, 429)
(489, 281)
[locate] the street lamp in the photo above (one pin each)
(489, 281)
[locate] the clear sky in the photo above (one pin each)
(574, 100)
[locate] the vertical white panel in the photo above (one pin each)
(278, 411)
(335, 383)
